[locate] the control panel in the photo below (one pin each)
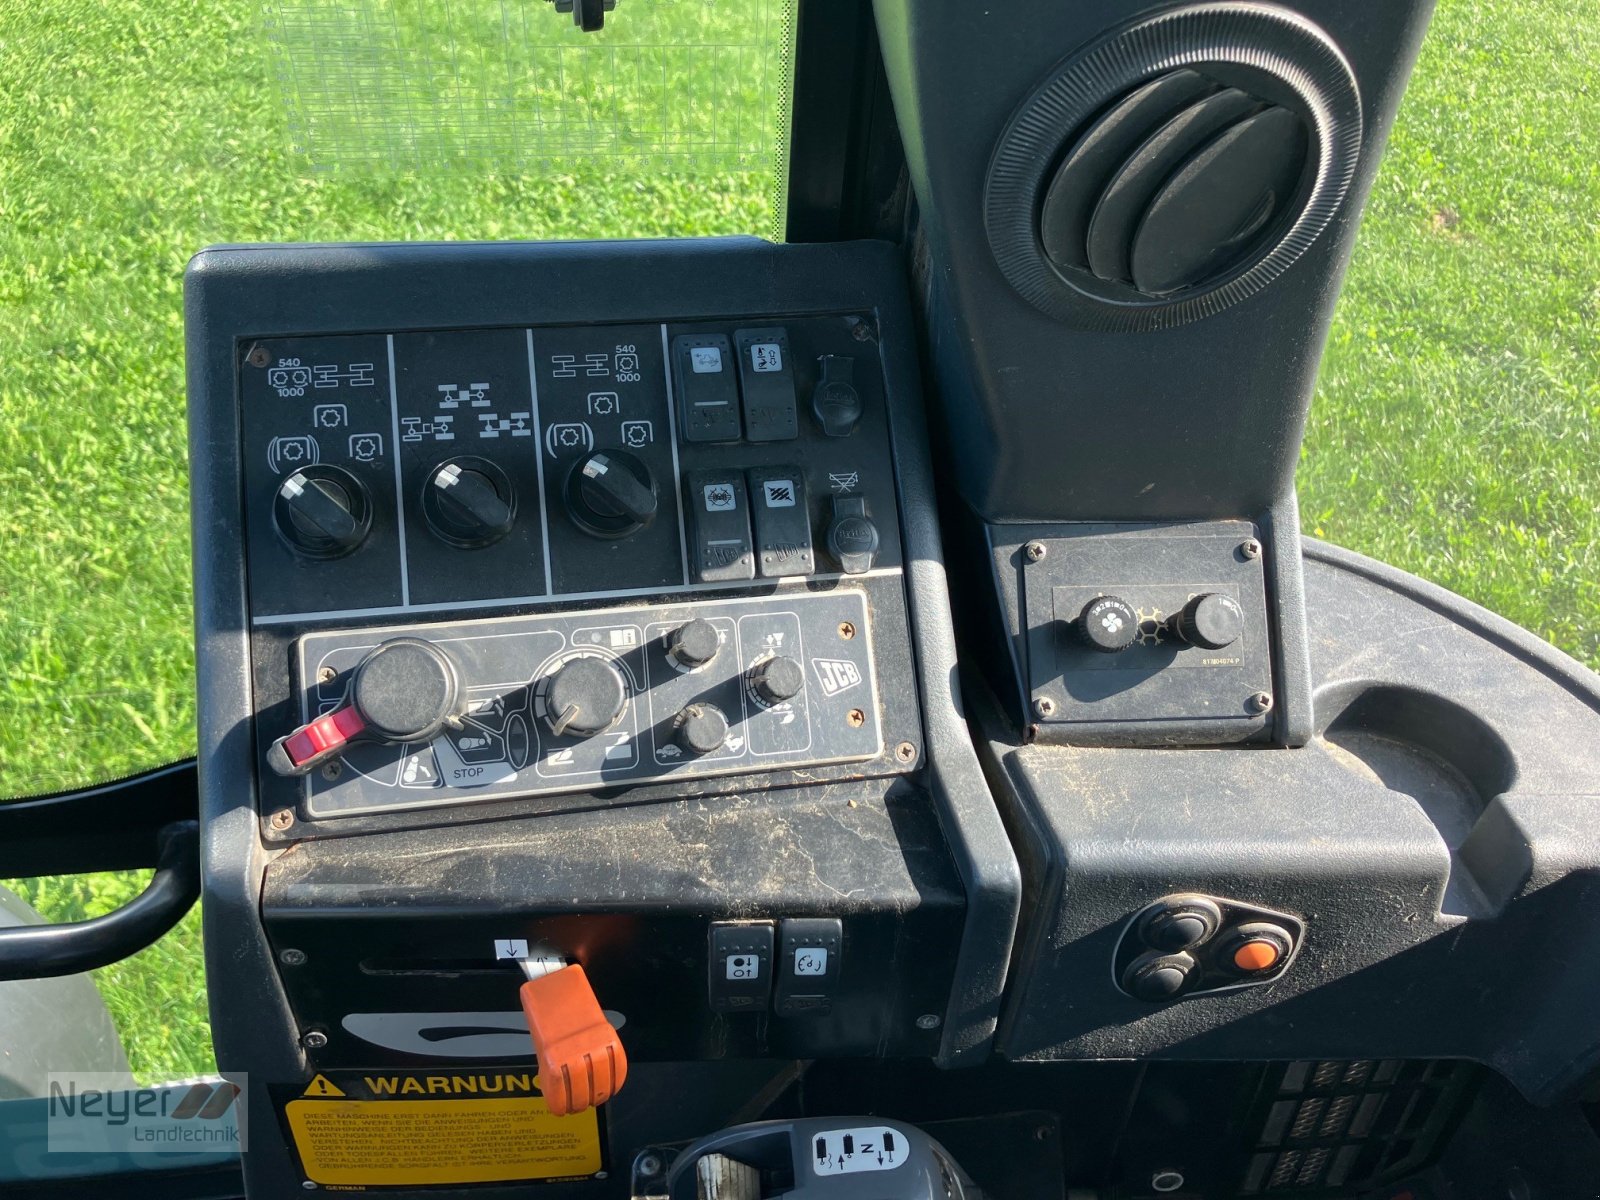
(577, 701)
(693, 528)
(426, 472)
(1144, 632)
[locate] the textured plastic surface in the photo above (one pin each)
(1439, 827)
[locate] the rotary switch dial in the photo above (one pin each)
(585, 696)
(610, 494)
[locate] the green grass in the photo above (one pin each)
(1454, 433)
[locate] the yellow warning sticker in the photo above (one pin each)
(429, 1129)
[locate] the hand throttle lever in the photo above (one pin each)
(403, 690)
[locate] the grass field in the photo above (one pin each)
(1454, 433)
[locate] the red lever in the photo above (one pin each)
(316, 741)
(581, 1062)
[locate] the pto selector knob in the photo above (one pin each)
(701, 728)
(1211, 621)
(586, 696)
(468, 502)
(1108, 624)
(694, 644)
(610, 494)
(775, 680)
(323, 512)
(403, 690)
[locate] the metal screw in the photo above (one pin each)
(282, 819)
(1250, 548)
(1166, 1180)
(861, 331)
(1035, 551)
(292, 958)
(1261, 702)
(259, 357)
(325, 674)
(650, 1164)
(846, 630)
(928, 1021)
(905, 752)
(855, 718)
(331, 769)
(309, 1185)
(315, 1040)
(1044, 706)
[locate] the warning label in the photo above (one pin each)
(356, 1129)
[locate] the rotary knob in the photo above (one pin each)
(1108, 624)
(776, 680)
(468, 502)
(1210, 620)
(610, 494)
(701, 728)
(586, 696)
(694, 644)
(403, 690)
(323, 512)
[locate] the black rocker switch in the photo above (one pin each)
(707, 393)
(781, 515)
(834, 400)
(808, 964)
(740, 977)
(766, 377)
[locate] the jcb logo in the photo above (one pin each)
(835, 675)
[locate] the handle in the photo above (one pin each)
(42, 951)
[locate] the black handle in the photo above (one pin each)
(40, 951)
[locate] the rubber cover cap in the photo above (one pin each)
(581, 1061)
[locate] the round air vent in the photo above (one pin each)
(1175, 167)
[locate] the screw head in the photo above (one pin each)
(1260, 702)
(861, 331)
(332, 769)
(650, 1164)
(1166, 1180)
(905, 752)
(847, 630)
(325, 674)
(1044, 706)
(309, 1185)
(314, 1040)
(1035, 551)
(258, 357)
(1250, 548)
(282, 819)
(928, 1021)
(292, 958)
(855, 718)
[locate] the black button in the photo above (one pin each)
(1181, 923)
(809, 959)
(740, 975)
(766, 377)
(719, 525)
(782, 519)
(1210, 620)
(706, 392)
(1155, 977)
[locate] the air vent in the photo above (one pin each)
(1176, 183)
(1340, 1128)
(1175, 167)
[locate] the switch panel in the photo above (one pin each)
(576, 701)
(535, 466)
(740, 966)
(1145, 627)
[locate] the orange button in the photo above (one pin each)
(1256, 956)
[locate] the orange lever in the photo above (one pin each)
(581, 1063)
